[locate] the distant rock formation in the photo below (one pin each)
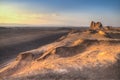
(108, 27)
(96, 26)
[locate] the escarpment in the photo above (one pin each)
(72, 42)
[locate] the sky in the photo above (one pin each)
(59, 12)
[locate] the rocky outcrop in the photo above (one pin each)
(89, 55)
(96, 26)
(108, 27)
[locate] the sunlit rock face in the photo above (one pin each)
(96, 26)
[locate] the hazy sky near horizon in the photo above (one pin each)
(59, 12)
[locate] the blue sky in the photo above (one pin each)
(61, 12)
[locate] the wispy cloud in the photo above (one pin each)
(59, 12)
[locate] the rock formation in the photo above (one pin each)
(87, 55)
(96, 26)
(108, 27)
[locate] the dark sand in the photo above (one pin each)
(16, 40)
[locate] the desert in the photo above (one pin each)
(92, 53)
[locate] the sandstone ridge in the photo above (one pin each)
(87, 55)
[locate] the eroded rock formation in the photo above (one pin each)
(96, 26)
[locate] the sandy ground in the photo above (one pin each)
(14, 41)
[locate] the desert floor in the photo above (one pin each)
(59, 54)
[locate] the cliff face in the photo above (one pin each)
(76, 56)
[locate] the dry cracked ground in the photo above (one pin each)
(79, 55)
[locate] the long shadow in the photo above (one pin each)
(13, 50)
(71, 51)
